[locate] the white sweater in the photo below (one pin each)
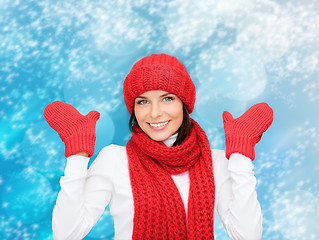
(85, 194)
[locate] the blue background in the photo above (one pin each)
(238, 52)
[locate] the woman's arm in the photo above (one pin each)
(238, 207)
(83, 196)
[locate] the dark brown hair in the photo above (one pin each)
(183, 130)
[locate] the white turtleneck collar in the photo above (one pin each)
(171, 140)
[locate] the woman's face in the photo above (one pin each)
(159, 114)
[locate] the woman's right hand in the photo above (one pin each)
(75, 130)
(242, 133)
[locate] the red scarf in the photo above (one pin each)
(159, 212)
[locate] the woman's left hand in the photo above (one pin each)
(242, 133)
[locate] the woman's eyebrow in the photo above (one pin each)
(141, 97)
(165, 94)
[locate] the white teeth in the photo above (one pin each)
(158, 124)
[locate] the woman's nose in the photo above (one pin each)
(156, 110)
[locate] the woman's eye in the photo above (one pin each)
(166, 99)
(142, 102)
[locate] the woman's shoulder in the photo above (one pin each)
(219, 159)
(113, 150)
(218, 154)
(109, 158)
(114, 154)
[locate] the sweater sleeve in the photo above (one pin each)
(238, 207)
(83, 196)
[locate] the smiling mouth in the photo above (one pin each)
(158, 125)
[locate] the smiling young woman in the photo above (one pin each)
(166, 183)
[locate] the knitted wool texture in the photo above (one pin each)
(159, 212)
(242, 133)
(159, 72)
(75, 130)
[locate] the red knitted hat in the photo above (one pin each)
(159, 72)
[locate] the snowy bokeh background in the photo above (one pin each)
(238, 52)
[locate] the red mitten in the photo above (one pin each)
(242, 134)
(76, 131)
